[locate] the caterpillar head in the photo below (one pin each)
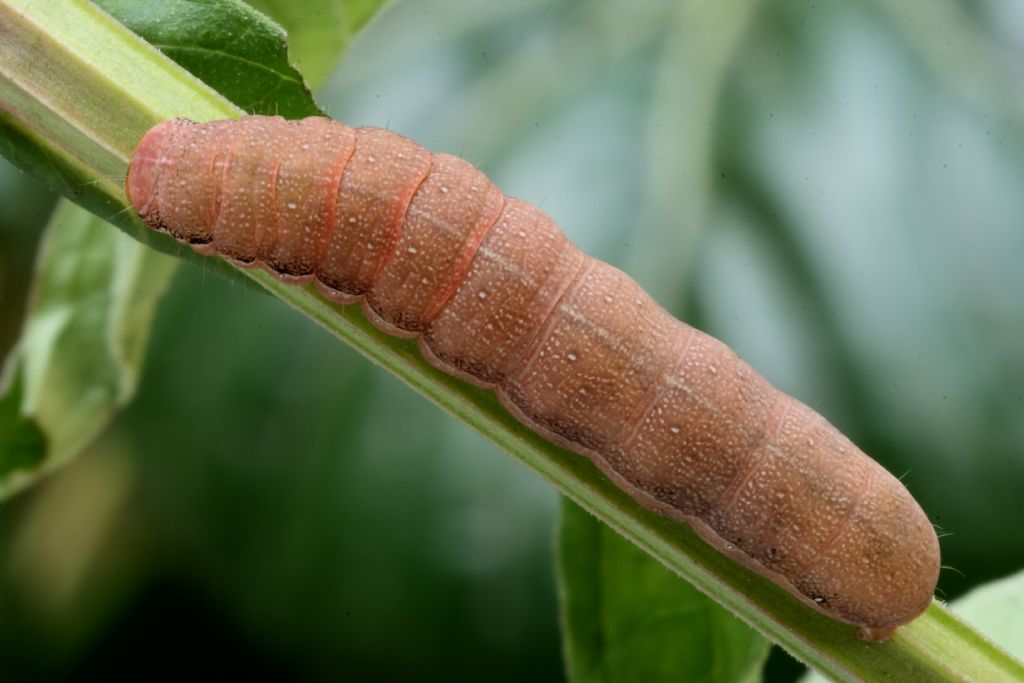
(147, 163)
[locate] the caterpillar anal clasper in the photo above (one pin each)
(575, 349)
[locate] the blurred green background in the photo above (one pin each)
(832, 188)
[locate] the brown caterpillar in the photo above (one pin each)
(574, 348)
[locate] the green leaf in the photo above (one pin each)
(118, 86)
(71, 396)
(232, 48)
(627, 618)
(22, 442)
(83, 345)
(997, 610)
(319, 30)
(85, 333)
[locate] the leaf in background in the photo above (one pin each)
(85, 332)
(997, 610)
(692, 70)
(948, 37)
(625, 617)
(96, 291)
(319, 30)
(229, 46)
(22, 442)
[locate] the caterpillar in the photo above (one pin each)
(575, 349)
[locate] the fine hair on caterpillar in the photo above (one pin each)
(575, 349)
